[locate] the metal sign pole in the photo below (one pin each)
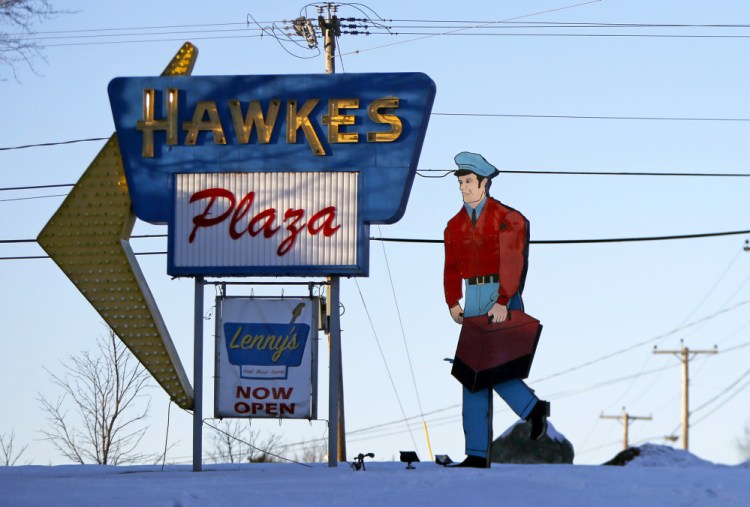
(334, 370)
(198, 377)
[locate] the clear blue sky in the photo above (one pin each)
(594, 300)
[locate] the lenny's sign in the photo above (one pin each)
(368, 127)
(266, 353)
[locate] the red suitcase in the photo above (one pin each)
(489, 353)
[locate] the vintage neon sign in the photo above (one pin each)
(371, 126)
(206, 118)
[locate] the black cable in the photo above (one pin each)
(142, 34)
(447, 172)
(166, 437)
(473, 115)
(644, 342)
(137, 236)
(29, 257)
(135, 28)
(581, 241)
(503, 24)
(181, 39)
(437, 241)
(54, 144)
(581, 117)
(254, 447)
(566, 23)
(32, 187)
(32, 197)
(608, 35)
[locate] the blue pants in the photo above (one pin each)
(477, 407)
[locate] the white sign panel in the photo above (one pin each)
(227, 223)
(266, 353)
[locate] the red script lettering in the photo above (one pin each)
(243, 222)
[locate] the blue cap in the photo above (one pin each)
(475, 163)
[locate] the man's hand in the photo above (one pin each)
(457, 314)
(498, 313)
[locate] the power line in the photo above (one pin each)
(91, 36)
(448, 172)
(644, 342)
(428, 36)
(32, 197)
(727, 400)
(723, 392)
(438, 241)
(581, 241)
(475, 115)
(32, 187)
(137, 41)
(385, 362)
(459, 22)
(592, 117)
(22, 147)
(135, 28)
(575, 35)
(30, 257)
(563, 24)
(406, 347)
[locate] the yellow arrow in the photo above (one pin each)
(88, 238)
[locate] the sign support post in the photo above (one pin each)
(198, 377)
(334, 371)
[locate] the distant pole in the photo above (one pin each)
(625, 418)
(198, 376)
(685, 355)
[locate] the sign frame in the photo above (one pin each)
(313, 341)
(359, 268)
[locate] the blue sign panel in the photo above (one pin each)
(371, 123)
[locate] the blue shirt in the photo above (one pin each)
(478, 208)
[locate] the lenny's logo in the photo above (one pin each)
(265, 344)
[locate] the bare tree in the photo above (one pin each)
(315, 451)
(106, 395)
(10, 454)
(743, 444)
(20, 46)
(234, 441)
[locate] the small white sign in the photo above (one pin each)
(229, 222)
(266, 353)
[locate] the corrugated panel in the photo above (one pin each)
(280, 205)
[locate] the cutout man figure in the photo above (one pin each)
(486, 252)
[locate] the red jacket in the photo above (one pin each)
(498, 244)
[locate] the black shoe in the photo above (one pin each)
(472, 462)
(538, 419)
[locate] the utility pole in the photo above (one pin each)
(331, 29)
(625, 418)
(685, 355)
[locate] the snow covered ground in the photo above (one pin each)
(660, 476)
